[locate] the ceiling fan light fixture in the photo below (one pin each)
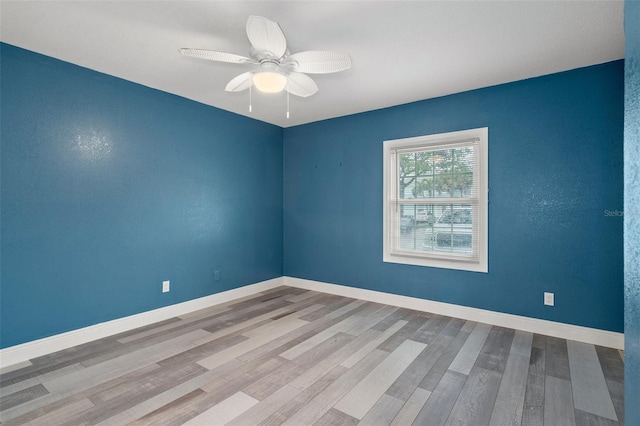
(269, 81)
(274, 68)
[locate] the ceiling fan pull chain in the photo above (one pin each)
(250, 97)
(287, 104)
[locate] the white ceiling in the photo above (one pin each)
(401, 51)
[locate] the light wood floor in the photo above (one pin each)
(296, 357)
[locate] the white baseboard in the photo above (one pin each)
(21, 354)
(549, 328)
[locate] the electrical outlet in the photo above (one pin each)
(549, 299)
(166, 286)
(216, 275)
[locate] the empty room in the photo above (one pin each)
(319, 212)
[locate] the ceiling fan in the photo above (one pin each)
(274, 67)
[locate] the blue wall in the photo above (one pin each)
(109, 188)
(632, 212)
(555, 166)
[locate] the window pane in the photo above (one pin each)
(415, 221)
(416, 171)
(454, 172)
(424, 163)
(442, 173)
(436, 228)
(407, 187)
(424, 187)
(407, 164)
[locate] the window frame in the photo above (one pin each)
(391, 229)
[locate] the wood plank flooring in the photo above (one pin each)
(296, 357)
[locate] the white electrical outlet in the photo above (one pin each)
(166, 286)
(548, 299)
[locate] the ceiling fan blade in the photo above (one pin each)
(212, 55)
(301, 85)
(240, 83)
(319, 62)
(266, 36)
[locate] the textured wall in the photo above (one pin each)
(632, 211)
(109, 187)
(555, 167)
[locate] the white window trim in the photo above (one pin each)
(430, 259)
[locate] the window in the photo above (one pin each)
(435, 200)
